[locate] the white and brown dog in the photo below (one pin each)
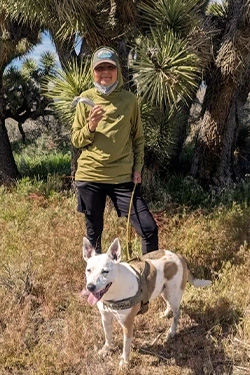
(122, 290)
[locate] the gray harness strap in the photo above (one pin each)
(141, 267)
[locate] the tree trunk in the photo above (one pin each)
(17, 31)
(213, 159)
(75, 153)
(8, 169)
(242, 152)
(22, 132)
(214, 153)
(123, 52)
(64, 48)
(176, 164)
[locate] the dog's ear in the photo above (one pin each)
(87, 249)
(114, 251)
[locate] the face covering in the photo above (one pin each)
(106, 90)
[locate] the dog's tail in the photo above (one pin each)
(198, 283)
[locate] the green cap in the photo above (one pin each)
(105, 55)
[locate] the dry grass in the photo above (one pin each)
(46, 329)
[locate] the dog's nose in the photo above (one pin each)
(91, 287)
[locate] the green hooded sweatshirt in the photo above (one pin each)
(116, 149)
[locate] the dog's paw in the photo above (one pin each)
(166, 314)
(170, 335)
(123, 366)
(104, 351)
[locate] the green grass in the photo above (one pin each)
(44, 156)
(54, 163)
(186, 191)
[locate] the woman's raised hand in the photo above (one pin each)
(96, 115)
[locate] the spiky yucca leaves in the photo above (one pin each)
(65, 17)
(218, 9)
(13, 81)
(41, 69)
(232, 58)
(160, 129)
(175, 50)
(22, 95)
(180, 16)
(35, 11)
(97, 21)
(30, 74)
(47, 63)
(166, 70)
(17, 38)
(65, 86)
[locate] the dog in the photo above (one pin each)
(122, 290)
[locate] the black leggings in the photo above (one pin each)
(91, 202)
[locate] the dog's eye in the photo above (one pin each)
(104, 272)
(88, 270)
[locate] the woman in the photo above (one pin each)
(111, 137)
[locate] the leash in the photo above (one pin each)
(129, 244)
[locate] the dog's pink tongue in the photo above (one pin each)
(93, 298)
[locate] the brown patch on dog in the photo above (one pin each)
(154, 255)
(185, 272)
(151, 273)
(129, 321)
(170, 269)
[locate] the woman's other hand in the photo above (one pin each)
(137, 178)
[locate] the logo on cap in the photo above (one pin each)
(104, 54)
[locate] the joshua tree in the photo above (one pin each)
(227, 89)
(173, 49)
(23, 98)
(15, 40)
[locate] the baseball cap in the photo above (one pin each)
(103, 55)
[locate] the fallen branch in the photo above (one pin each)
(152, 353)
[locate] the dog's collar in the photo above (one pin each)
(141, 267)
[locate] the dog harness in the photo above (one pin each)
(142, 269)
